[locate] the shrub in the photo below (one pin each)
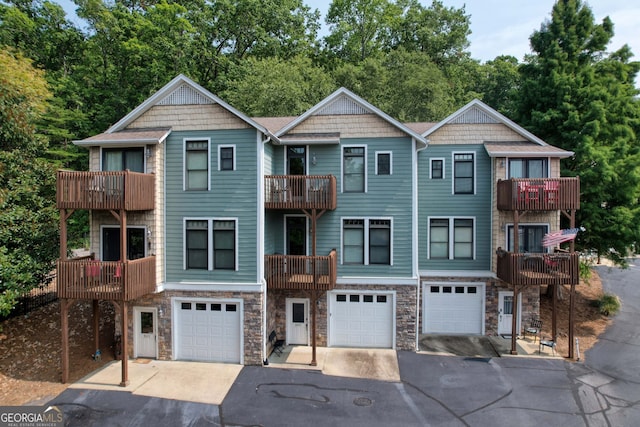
(608, 304)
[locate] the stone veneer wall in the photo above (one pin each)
(530, 297)
(406, 326)
(252, 327)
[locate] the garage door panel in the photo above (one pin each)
(359, 320)
(206, 331)
(455, 309)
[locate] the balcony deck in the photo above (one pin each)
(300, 192)
(131, 191)
(106, 280)
(538, 194)
(539, 269)
(299, 272)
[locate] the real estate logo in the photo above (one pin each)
(31, 416)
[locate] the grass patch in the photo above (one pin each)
(608, 304)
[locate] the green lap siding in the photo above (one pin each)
(436, 200)
(233, 194)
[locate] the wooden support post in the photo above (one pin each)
(64, 327)
(125, 349)
(554, 311)
(314, 299)
(514, 321)
(96, 325)
(572, 295)
(63, 234)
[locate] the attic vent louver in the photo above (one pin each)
(185, 95)
(342, 105)
(474, 116)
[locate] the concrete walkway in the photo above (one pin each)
(187, 381)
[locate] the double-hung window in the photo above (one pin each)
(226, 158)
(210, 244)
(383, 163)
(463, 173)
(366, 241)
(197, 244)
(451, 238)
(196, 165)
(354, 170)
(437, 169)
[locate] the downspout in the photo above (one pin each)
(260, 237)
(415, 240)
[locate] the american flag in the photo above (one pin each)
(557, 237)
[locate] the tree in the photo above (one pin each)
(577, 96)
(499, 84)
(274, 87)
(28, 217)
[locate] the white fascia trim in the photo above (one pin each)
(387, 281)
(260, 228)
(212, 286)
(457, 273)
(533, 154)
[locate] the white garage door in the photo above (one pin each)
(208, 331)
(453, 309)
(361, 320)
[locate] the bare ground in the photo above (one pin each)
(30, 346)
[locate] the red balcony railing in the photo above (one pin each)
(539, 269)
(127, 190)
(299, 272)
(300, 192)
(106, 280)
(538, 194)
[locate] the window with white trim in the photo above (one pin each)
(451, 238)
(463, 173)
(210, 244)
(196, 165)
(437, 169)
(353, 169)
(529, 238)
(383, 163)
(366, 241)
(226, 157)
(528, 168)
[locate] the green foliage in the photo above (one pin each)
(28, 216)
(608, 304)
(576, 96)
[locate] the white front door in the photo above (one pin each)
(505, 312)
(146, 332)
(298, 321)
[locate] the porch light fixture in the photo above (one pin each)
(149, 153)
(314, 160)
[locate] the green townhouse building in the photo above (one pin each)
(216, 234)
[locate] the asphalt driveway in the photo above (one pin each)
(433, 390)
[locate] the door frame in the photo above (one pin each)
(137, 328)
(501, 295)
(129, 227)
(289, 317)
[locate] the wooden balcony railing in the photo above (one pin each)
(127, 190)
(538, 194)
(299, 272)
(539, 269)
(300, 192)
(106, 280)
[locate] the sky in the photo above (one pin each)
(503, 27)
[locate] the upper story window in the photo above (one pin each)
(354, 169)
(196, 165)
(528, 168)
(383, 163)
(366, 241)
(463, 173)
(529, 238)
(451, 238)
(210, 244)
(437, 169)
(119, 159)
(226, 158)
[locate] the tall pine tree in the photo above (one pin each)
(579, 97)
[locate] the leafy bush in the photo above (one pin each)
(608, 304)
